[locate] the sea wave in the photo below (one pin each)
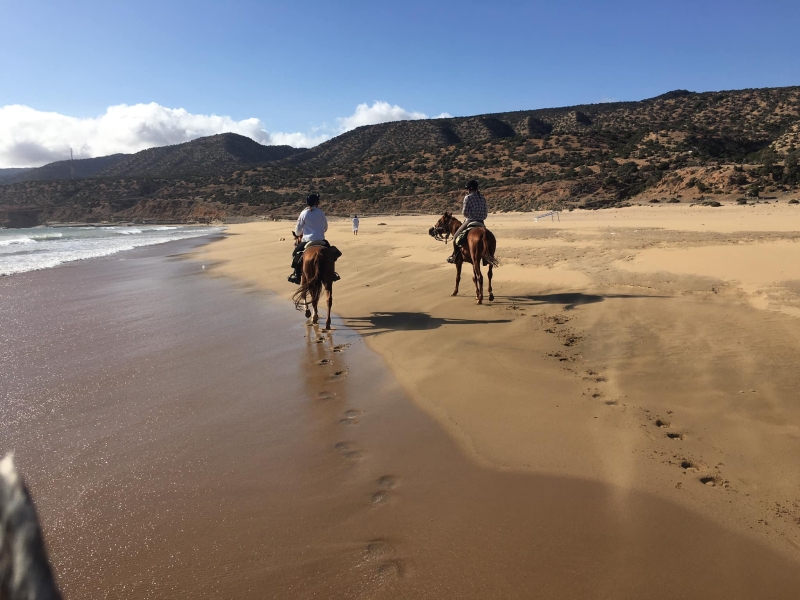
(20, 240)
(71, 249)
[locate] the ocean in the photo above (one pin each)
(23, 250)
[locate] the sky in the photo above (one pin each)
(103, 77)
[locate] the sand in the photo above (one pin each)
(590, 433)
(653, 348)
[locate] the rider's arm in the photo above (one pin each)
(298, 229)
(325, 220)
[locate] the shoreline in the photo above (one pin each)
(556, 388)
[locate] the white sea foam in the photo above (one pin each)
(21, 253)
(17, 241)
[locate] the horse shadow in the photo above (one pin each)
(383, 322)
(569, 301)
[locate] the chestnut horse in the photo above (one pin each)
(479, 247)
(317, 271)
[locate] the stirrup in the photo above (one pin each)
(451, 259)
(336, 276)
(294, 278)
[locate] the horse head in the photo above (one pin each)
(443, 228)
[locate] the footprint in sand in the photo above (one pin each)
(384, 553)
(324, 362)
(379, 550)
(379, 498)
(326, 395)
(392, 569)
(351, 417)
(350, 450)
(339, 375)
(388, 482)
(662, 423)
(339, 348)
(676, 436)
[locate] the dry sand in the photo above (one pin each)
(651, 348)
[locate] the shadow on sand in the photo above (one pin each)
(569, 300)
(381, 322)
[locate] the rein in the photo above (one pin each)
(440, 233)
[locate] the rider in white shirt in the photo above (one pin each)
(311, 225)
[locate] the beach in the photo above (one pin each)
(652, 348)
(620, 422)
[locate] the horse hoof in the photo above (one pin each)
(308, 314)
(491, 297)
(454, 294)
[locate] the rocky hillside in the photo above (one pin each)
(678, 147)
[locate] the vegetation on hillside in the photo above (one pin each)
(675, 147)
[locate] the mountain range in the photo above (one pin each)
(680, 146)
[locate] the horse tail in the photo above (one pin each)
(488, 251)
(312, 285)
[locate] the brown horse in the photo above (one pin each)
(317, 271)
(479, 247)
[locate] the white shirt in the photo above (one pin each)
(355, 223)
(312, 224)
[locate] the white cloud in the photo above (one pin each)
(30, 138)
(379, 112)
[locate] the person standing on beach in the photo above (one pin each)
(311, 225)
(474, 209)
(355, 225)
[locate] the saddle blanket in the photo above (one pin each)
(463, 235)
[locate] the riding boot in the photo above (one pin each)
(452, 258)
(295, 277)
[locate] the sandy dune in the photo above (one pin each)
(654, 348)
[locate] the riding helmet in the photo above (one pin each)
(312, 199)
(472, 185)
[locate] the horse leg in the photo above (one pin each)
(314, 302)
(305, 298)
(491, 295)
(329, 290)
(477, 277)
(459, 262)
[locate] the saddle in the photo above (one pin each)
(335, 252)
(459, 241)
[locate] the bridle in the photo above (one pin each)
(438, 232)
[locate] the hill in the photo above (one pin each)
(203, 156)
(85, 167)
(7, 174)
(678, 147)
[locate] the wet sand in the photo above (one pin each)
(188, 437)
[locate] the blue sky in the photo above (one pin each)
(299, 66)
